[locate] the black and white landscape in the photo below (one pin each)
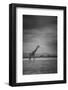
(39, 44)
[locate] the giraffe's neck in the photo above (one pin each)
(35, 50)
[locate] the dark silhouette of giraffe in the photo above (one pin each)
(32, 54)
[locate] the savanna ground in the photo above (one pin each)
(40, 66)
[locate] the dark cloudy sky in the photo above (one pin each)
(40, 30)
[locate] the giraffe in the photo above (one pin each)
(32, 54)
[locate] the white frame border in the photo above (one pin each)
(19, 38)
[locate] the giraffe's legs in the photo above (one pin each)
(34, 58)
(30, 56)
(29, 59)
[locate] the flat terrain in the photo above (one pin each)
(40, 66)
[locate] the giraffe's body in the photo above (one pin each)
(32, 54)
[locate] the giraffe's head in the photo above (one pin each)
(38, 46)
